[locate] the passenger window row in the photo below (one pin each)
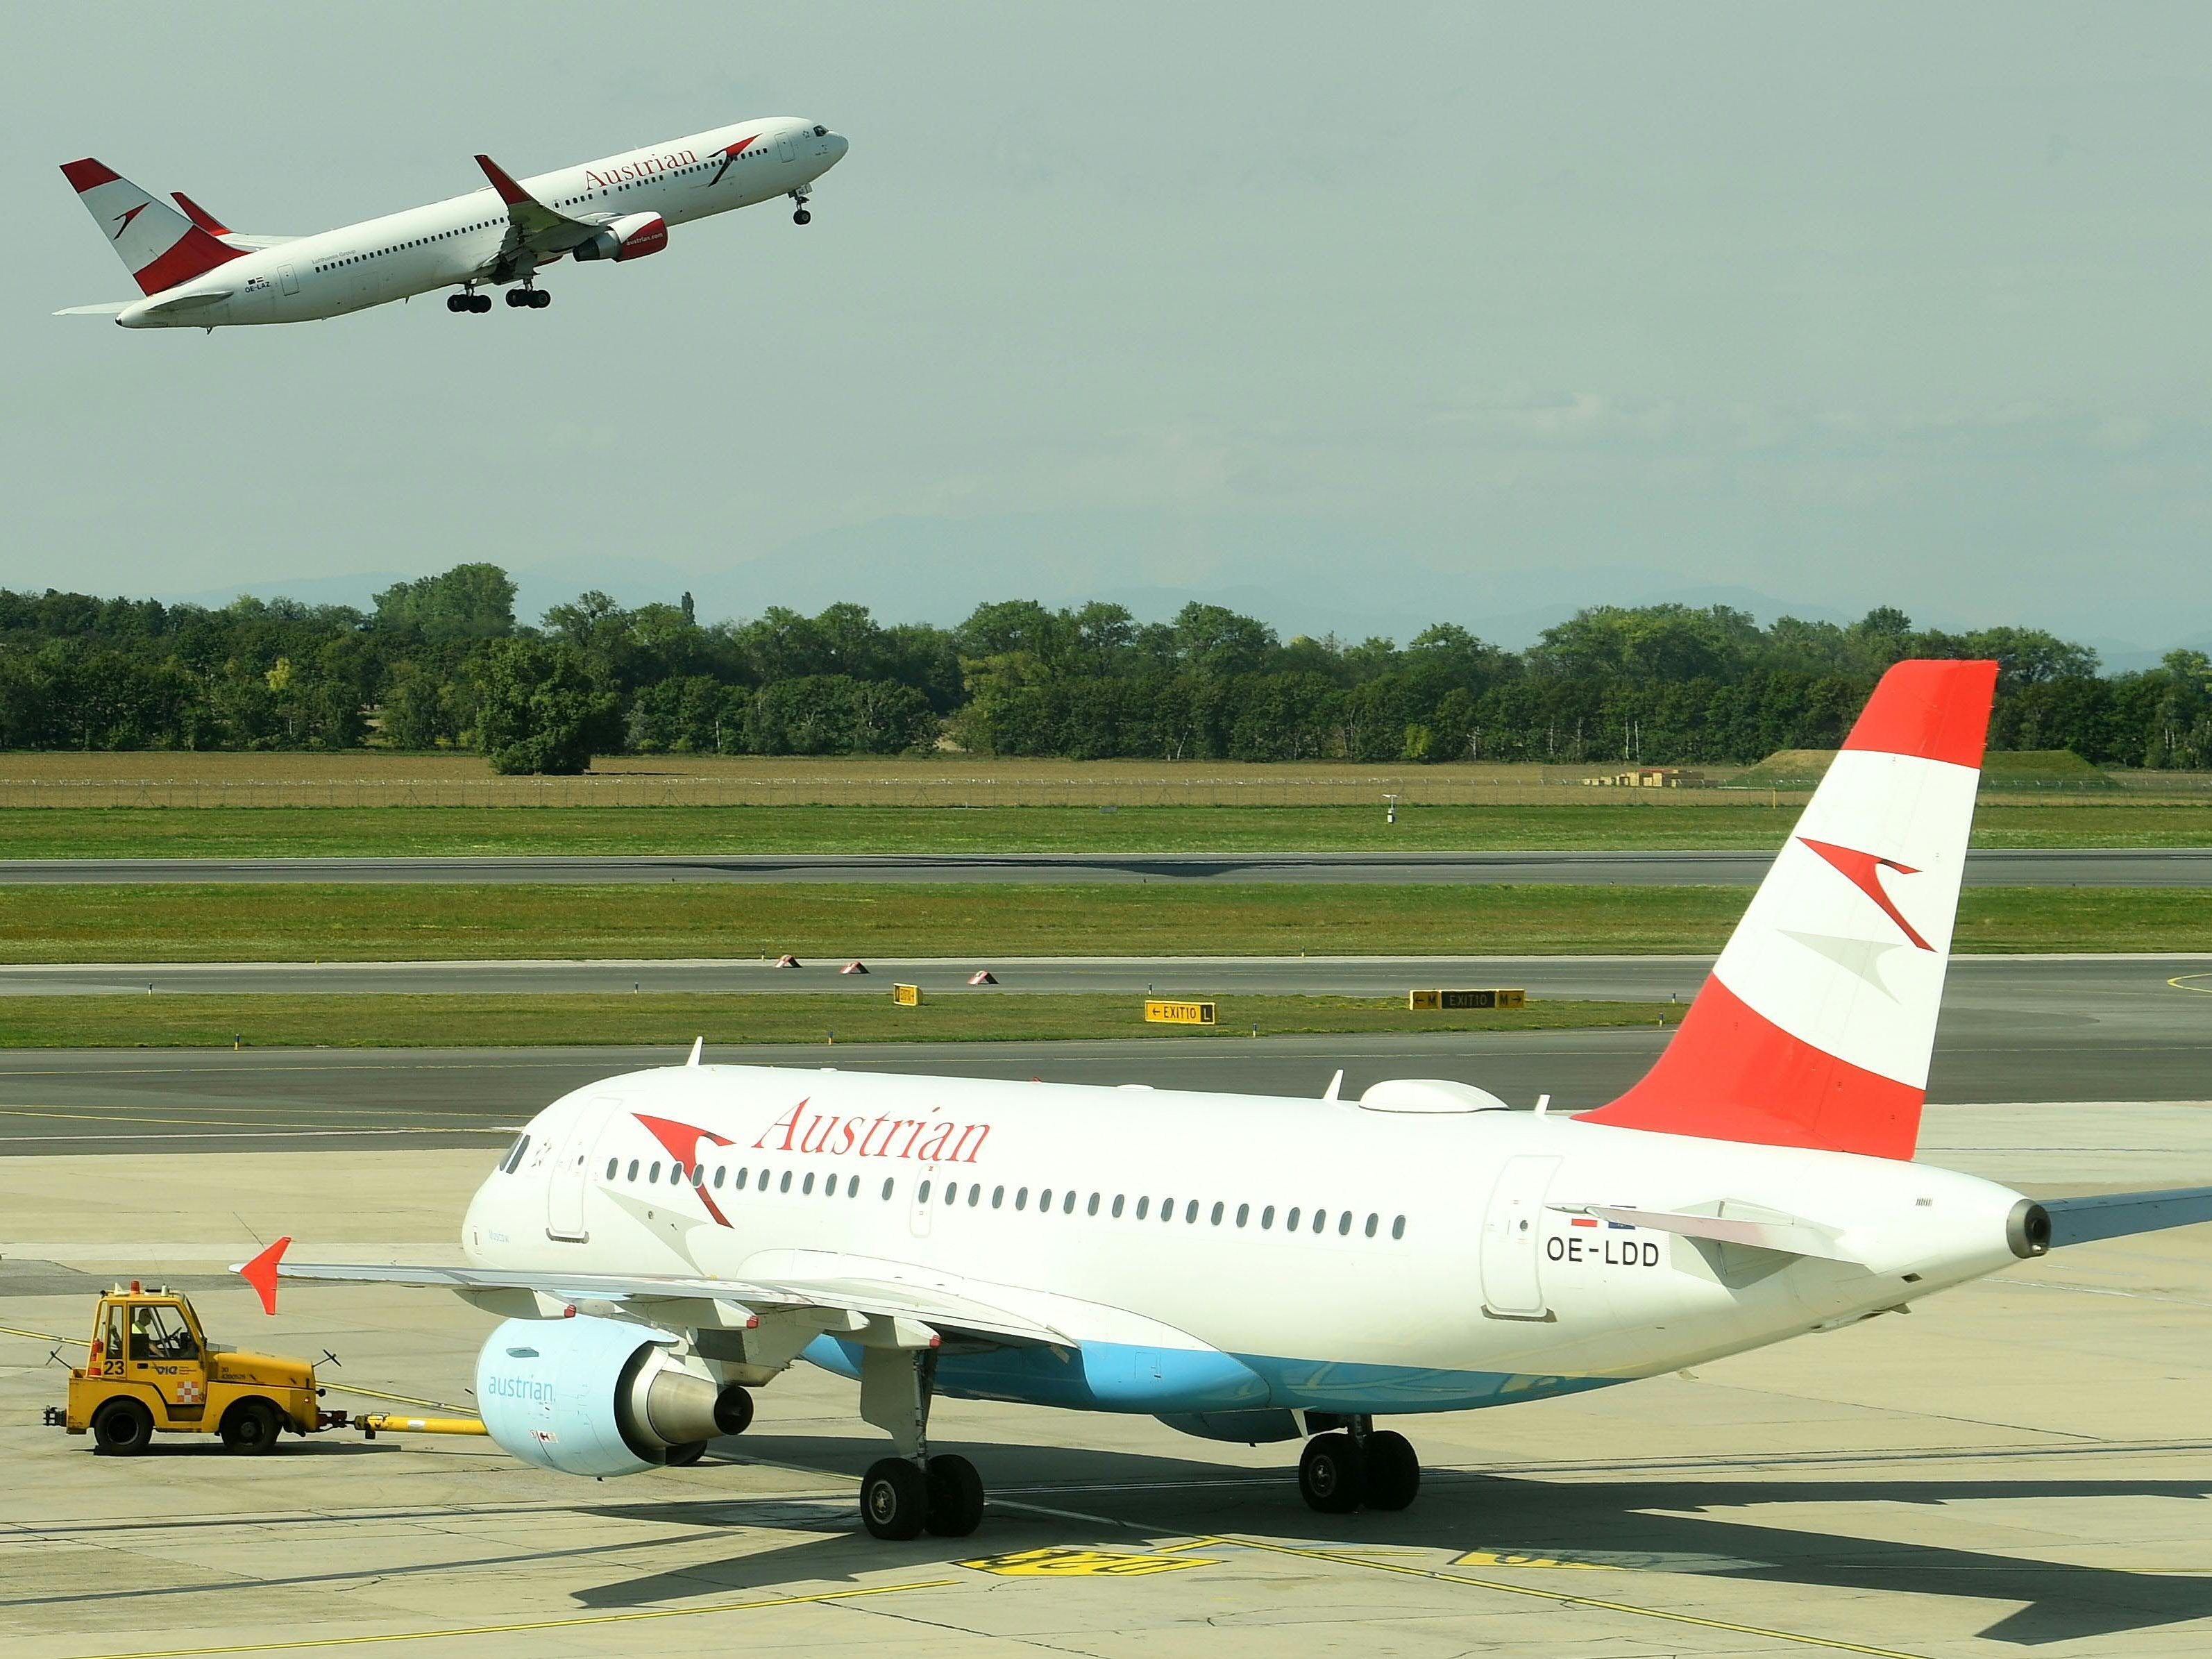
(1296, 1218)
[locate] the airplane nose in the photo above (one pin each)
(838, 145)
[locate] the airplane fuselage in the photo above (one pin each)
(1212, 1253)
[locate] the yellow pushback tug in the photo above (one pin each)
(152, 1370)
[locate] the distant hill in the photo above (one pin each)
(1796, 769)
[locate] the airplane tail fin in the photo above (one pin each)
(158, 246)
(199, 215)
(1815, 1026)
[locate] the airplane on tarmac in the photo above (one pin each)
(195, 272)
(1257, 1269)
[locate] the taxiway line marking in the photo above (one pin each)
(1565, 1598)
(2180, 982)
(522, 1625)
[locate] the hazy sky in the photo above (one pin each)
(1350, 311)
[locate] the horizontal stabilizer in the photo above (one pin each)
(110, 308)
(2116, 1215)
(1787, 1234)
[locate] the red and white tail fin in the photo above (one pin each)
(1816, 1025)
(199, 215)
(157, 245)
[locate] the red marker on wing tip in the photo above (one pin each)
(261, 1272)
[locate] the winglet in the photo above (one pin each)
(509, 193)
(261, 1272)
(199, 215)
(698, 1044)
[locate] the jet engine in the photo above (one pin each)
(630, 237)
(598, 1396)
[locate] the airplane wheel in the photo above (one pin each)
(480, 303)
(802, 217)
(683, 1457)
(123, 1428)
(1333, 1475)
(1394, 1472)
(956, 1497)
(250, 1427)
(540, 299)
(894, 1499)
(518, 297)
(457, 302)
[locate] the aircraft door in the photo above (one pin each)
(567, 1174)
(783, 149)
(287, 278)
(1513, 1240)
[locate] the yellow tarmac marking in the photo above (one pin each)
(1514, 1558)
(1071, 1563)
(522, 1625)
(1566, 1598)
(2180, 982)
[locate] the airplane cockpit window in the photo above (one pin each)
(513, 1161)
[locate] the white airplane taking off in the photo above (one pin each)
(1253, 1269)
(196, 273)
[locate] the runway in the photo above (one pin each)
(2153, 1042)
(2170, 867)
(2035, 985)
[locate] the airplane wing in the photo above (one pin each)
(725, 1303)
(535, 232)
(2118, 1215)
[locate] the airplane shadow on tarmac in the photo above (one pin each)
(1648, 1524)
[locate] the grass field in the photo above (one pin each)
(1654, 820)
(432, 1022)
(286, 923)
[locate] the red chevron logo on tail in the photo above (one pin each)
(1863, 871)
(123, 221)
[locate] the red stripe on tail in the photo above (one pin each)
(1733, 1074)
(1937, 710)
(87, 174)
(195, 253)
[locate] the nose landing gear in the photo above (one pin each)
(800, 215)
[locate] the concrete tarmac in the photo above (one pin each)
(2165, 867)
(2021, 1465)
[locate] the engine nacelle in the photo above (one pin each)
(630, 237)
(596, 1396)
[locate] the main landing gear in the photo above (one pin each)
(525, 299)
(469, 302)
(800, 215)
(901, 1497)
(1357, 1467)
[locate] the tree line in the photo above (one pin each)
(442, 663)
